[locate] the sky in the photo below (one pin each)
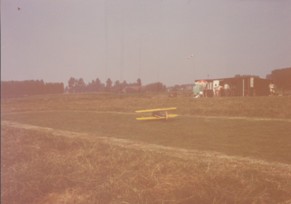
(170, 41)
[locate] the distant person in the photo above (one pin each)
(217, 90)
(272, 89)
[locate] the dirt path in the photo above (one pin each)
(212, 158)
(185, 115)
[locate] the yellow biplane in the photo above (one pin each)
(157, 114)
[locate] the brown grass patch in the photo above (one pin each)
(44, 167)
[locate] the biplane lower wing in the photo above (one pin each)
(157, 114)
(155, 110)
(157, 118)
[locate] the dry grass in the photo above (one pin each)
(40, 167)
(73, 165)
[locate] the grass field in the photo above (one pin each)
(219, 150)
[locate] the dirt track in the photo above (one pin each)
(184, 115)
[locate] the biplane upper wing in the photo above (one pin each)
(155, 110)
(157, 118)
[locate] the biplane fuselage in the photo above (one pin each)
(157, 114)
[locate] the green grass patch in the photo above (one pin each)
(262, 107)
(261, 139)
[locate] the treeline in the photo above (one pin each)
(29, 87)
(37, 87)
(281, 78)
(76, 85)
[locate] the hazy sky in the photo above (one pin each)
(172, 41)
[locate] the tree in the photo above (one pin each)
(72, 84)
(117, 86)
(95, 86)
(81, 86)
(108, 86)
(98, 84)
(76, 85)
(138, 81)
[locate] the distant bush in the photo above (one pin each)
(155, 87)
(29, 87)
(76, 85)
(281, 78)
